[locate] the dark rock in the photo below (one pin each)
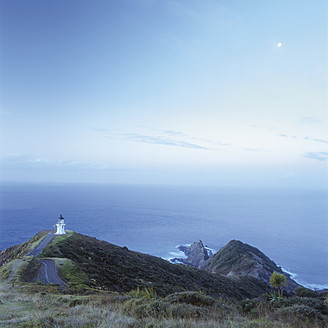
(185, 249)
(197, 254)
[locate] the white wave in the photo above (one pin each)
(185, 245)
(177, 262)
(178, 254)
(295, 276)
(210, 251)
(291, 274)
(314, 286)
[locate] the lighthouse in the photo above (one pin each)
(60, 226)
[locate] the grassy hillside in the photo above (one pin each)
(110, 286)
(237, 258)
(109, 267)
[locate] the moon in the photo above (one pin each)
(279, 44)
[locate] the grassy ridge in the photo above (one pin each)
(110, 267)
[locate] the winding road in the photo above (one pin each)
(51, 275)
(38, 250)
(49, 272)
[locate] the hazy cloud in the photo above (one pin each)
(257, 149)
(319, 156)
(267, 128)
(160, 140)
(286, 136)
(174, 133)
(309, 119)
(317, 140)
(29, 161)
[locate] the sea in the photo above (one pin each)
(290, 226)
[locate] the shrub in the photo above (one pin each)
(192, 298)
(260, 323)
(75, 302)
(313, 303)
(254, 307)
(147, 293)
(305, 292)
(142, 308)
(299, 312)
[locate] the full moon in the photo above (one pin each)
(279, 44)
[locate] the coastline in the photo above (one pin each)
(179, 254)
(312, 286)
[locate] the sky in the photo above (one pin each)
(164, 92)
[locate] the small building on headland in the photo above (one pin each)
(60, 226)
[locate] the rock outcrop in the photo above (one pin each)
(197, 254)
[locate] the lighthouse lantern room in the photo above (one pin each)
(60, 226)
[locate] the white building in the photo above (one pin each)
(60, 226)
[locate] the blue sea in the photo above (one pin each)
(290, 226)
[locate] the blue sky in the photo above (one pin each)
(168, 92)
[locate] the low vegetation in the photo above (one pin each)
(111, 286)
(237, 256)
(70, 273)
(109, 267)
(37, 305)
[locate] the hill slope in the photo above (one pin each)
(237, 258)
(115, 268)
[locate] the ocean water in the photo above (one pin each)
(289, 226)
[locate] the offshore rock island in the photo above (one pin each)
(150, 288)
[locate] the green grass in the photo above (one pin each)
(5, 271)
(57, 240)
(70, 273)
(37, 242)
(60, 238)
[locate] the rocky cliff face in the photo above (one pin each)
(197, 254)
(237, 258)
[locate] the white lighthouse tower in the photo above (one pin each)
(60, 226)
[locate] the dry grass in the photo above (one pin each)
(19, 307)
